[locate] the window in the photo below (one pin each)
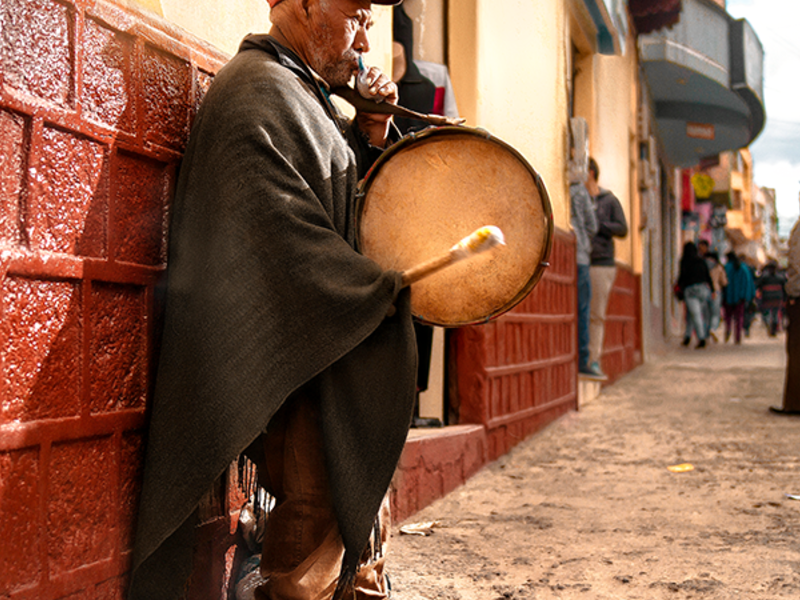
(736, 199)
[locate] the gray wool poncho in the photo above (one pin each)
(266, 293)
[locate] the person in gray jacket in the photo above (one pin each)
(611, 223)
(584, 223)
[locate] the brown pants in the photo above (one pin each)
(302, 551)
(791, 394)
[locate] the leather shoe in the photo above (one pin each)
(781, 411)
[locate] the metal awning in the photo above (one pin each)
(611, 23)
(704, 76)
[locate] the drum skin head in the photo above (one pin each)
(429, 191)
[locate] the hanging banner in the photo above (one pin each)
(703, 185)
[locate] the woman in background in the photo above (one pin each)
(695, 283)
(718, 282)
(740, 292)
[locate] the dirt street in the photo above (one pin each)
(588, 509)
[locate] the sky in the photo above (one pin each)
(776, 151)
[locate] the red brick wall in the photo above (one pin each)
(622, 344)
(516, 374)
(433, 464)
(95, 106)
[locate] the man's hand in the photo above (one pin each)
(380, 89)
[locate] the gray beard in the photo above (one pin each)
(335, 74)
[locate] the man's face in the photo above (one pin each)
(337, 36)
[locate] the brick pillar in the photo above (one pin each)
(622, 343)
(95, 106)
(518, 373)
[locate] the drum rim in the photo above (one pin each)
(364, 185)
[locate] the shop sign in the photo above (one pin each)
(700, 131)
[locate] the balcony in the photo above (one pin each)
(705, 78)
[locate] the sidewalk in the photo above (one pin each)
(588, 509)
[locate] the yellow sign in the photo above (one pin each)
(703, 185)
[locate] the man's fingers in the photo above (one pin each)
(380, 86)
(388, 91)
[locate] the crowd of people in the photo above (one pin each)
(734, 291)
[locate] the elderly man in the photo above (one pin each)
(278, 335)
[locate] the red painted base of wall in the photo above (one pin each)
(433, 464)
(622, 345)
(514, 377)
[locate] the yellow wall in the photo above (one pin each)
(507, 63)
(612, 135)
(429, 24)
(607, 95)
(224, 24)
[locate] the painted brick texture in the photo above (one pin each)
(96, 101)
(512, 377)
(622, 345)
(517, 373)
(434, 463)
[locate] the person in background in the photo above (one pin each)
(695, 283)
(703, 251)
(611, 223)
(791, 390)
(750, 308)
(718, 282)
(415, 91)
(583, 219)
(770, 290)
(739, 293)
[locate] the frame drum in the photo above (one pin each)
(430, 190)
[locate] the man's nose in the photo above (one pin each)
(361, 43)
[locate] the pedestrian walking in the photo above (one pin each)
(718, 282)
(770, 288)
(791, 392)
(694, 282)
(739, 293)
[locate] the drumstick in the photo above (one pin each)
(478, 241)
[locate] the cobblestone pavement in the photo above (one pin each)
(588, 508)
